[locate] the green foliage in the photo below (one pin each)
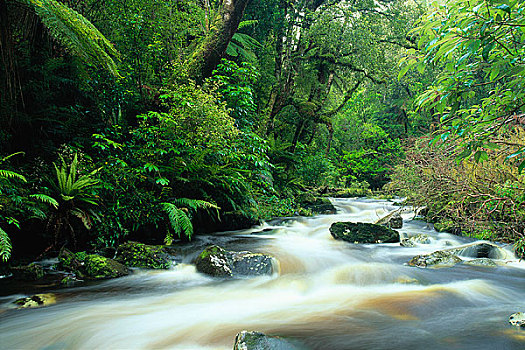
(479, 47)
(75, 32)
(485, 200)
(180, 214)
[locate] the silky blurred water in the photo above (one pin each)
(328, 294)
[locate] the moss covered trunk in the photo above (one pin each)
(208, 54)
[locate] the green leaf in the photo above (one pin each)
(504, 7)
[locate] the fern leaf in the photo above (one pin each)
(11, 155)
(179, 220)
(76, 33)
(45, 199)
(5, 246)
(7, 174)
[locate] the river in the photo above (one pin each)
(328, 295)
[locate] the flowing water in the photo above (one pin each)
(328, 295)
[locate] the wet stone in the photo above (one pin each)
(259, 341)
(218, 262)
(37, 300)
(517, 319)
(439, 258)
(361, 232)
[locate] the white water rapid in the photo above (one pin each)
(328, 295)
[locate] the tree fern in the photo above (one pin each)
(75, 32)
(5, 245)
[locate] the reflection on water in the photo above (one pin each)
(328, 295)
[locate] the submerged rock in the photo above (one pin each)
(484, 262)
(91, 266)
(439, 258)
(37, 300)
(482, 249)
(415, 240)
(218, 262)
(517, 319)
(392, 220)
(134, 254)
(259, 341)
(363, 233)
(29, 272)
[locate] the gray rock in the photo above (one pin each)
(484, 262)
(481, 249)
(361, 232)
(439, 258)
(218, 262)
(415, 240)
(392, 220)
(259, 341)
(517, 319)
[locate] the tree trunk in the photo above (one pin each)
(208, 54)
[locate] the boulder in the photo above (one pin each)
(413, 241)
(37, 300)
(483, 262)
(391, 220)
(91, 266)
(259, 341)
(218, 262)
(439, 258)
(316, 205)
(134, 254)
(29, 272)
(363, 233)
(517, 319)
(481, 249)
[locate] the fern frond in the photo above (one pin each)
(11, 155)
(5, 246)
(8, 174)
(248, 23)
(76, 33)
(45, 199)
(179, 220)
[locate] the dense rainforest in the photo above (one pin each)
(272, 174)
(155, 121)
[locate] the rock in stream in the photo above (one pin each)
(218, 262)
(360, 232)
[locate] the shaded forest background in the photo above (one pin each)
(156, 120)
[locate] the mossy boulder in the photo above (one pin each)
(134, 254)
(218, 262)
(259, 341)
(436, 259)
(31, 272)
(37, 300)
(360, 232)
(445, 226)
(391, 220)
(91, 266)
(315, 205)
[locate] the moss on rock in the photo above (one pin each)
(29, 272)
(37, 300)
(134, 254)
(360, 232)
(91, 266)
